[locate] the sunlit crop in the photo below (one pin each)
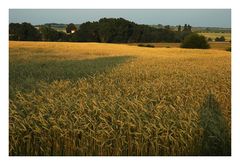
(116, 99)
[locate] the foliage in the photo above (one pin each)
(121, 31)
(187, 28)
(220, 39)
(195, 40)
(23, 32)
(88, 32)
(212, 35)
(67, 100)
(210, 39)
(112, 30)
(49, 34)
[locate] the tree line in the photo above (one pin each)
(107, 30)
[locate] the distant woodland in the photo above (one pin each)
(107, 30)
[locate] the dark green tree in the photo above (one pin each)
(179, 28)
(167, 27)
(189, 28)
(23, 32)
(88, 32)
(110, 30)
(50, 34)
(185, 28)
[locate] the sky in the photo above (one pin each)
(194, 17)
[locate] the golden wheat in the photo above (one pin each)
(160, 101)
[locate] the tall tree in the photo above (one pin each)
(167, 27)
(189, 28)
(185, 28)
(179, 28)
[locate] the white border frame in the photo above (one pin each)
(125, 4)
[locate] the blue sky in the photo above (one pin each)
(194, 17)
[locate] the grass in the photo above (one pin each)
(115, 99)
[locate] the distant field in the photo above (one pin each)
(214, 35)
(60, 29)
(213, 45)
(116, 99)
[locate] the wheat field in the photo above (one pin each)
(213, 45)
(213, 35)
(115, 100)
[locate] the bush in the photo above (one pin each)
(148, 45)
(220, 39)
(195, 40)
(210, 39)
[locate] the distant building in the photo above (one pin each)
(71, 28)
(73, 31)
(37, 27)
